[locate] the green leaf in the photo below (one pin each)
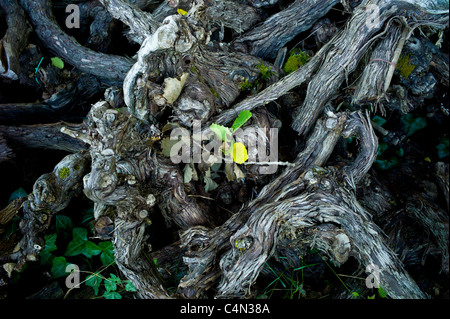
(355, 294)
(115, 278)
(210, 185)
(412, 124)
(46, 257)
(88, 215)
(166, 146)
(91, 249)
(112, 295)
(50, 242)
(222, 132)
(387, 164)
(381, 292)
(371, 297)
(57, 62)
(379, 120)
(107, 256)
(59, 266)
(111, 283)
(78, 243)
(94, 281)
(129, 286)
(242, 118)
(188, 172)
(20, 192)
(63, 224)
(442, 148)
(381, 148)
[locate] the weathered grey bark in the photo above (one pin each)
(181, 62)
(311, 203)
(46, 136)
(249, 238)
(442, 176)
(141, 23)
(266, 39)
(370, 88)
(52, 192)
(11, 113)
(14, 41)
(68, 49)
(350, 45)
(5, 152)
(435, 221)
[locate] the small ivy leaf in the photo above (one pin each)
(181, 12)
(112, 295)
(110, 285)
(107, 256)
(387, 164)
(239, 153)
(242, 118)
(169, 126)
(442, 148)
(115, 278)
(57, 62)
(91, 249)
(166, 146)
(412, 124)
(381, 148)
(229, 171)
(222, 132)
(88, 215)
(238, 172)
(129, 286)
(379, 120)
(381, 292)
(50, 242)
(63, 224)
(94, 281)
(210, 185)
(20, 192)
(59, 266)
(46, 257)
(78, 243)
(187, 174)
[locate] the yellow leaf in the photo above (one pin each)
(182, 12)
(239, 153)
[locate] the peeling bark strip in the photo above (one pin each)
(370, 89)
(266, 39)
(68, 49)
